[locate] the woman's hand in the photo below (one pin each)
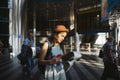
(59, 56)
(53, 61)
(56, 59)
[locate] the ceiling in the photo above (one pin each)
(52, 12)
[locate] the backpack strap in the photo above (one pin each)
(47, 57)
(49, 54)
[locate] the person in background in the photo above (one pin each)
(110, 66)
(1, 47)
(54, 68)
(26, 48)
(118, 51)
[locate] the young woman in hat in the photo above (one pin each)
(54, 68)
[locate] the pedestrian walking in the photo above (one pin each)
(109, 60)
(118, 51)
(28, 63)
(1, 47)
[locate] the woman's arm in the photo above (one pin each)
(43, 54)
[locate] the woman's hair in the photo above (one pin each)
(52, 38)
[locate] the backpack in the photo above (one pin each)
(48, 56)
(24, 54)
(22, 58)
(101, 53)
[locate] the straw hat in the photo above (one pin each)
(61, 28)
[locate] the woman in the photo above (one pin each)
(54, 67)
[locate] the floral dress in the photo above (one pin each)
(55, 71)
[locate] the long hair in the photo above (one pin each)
(52, 38)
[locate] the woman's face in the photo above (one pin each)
(60, 36)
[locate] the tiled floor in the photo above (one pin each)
(89, 67)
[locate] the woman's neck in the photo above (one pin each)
(56, 44)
